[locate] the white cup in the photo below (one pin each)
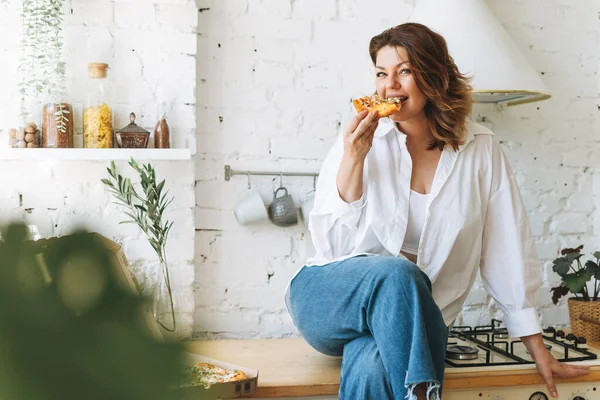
(250, 208)
(307, 206)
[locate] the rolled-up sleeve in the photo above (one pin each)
(333, 222)
(510, 268)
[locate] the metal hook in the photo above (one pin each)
(280, 180)
(249, 185)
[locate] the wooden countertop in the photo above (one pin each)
(290, 367)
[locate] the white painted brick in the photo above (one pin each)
(313, 100)
(214, 24)
(580, 158)
(182, 18)
(229, 321)
(580, 202)
(537, 223)
(231, 7)
(277, 325)
(325, 126)
(83, 12)
(130, 67)
(568, 223)
(238, 246)
(216, 219)
(477, 296)
(359, 10)
(314, 9)
(347, 33)
(181, 248)
(554, 316)
(273, 49)
(268, 27)
(208, 168)
(547, 250)
(154, 41)
(300, 147)
(321, 76)
(135, 15)
(274, 74)
(275, 8)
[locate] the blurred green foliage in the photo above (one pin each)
(70, 330)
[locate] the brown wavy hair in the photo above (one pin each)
(447, 90)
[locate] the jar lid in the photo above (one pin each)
(132, 127)
(97, 70)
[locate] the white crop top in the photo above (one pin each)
(416, 219)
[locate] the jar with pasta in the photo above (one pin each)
(98, 113)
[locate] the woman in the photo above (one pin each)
(407, 210)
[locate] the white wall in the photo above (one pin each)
(271, 81)
(151, 49)
(275, 78)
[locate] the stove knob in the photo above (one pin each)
(578, 398)
(539, 396)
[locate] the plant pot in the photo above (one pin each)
(585, 318)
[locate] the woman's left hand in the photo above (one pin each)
(548, 367)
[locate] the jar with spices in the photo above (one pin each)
(57, 125)
(98, 113)
(162, 134)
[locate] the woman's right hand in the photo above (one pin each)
(358, 138)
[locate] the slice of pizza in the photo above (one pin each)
(385, 107)
(207, 374)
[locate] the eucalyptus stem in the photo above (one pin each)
(146, 209)
(41, 67)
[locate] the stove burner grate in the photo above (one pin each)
(459, 352)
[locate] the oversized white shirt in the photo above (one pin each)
(475, 219)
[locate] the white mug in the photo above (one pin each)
(307, 206)
(250, 208)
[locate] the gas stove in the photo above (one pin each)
(490, 346)
(493, 366)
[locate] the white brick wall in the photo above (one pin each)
(275, 81)
(151, 49)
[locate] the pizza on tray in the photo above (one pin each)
(207, 374)
(385, 107)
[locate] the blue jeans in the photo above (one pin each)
(377, 312)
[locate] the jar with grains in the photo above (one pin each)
(98, 113)
(57, 125)
(162, 134)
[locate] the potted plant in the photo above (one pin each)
(146, 210)
(43, 71)
(584, 307)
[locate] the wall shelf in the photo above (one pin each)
(94, 154)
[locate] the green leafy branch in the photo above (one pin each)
(575, 280)
(41, 67)
(146, 209)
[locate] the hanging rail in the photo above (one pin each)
(230, 172)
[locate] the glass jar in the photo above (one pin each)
(162, 134)
(57, 125)
(98, 113)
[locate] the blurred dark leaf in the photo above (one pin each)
(69, 330)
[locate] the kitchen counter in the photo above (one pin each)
(290, 367)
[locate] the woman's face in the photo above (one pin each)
(394, 78)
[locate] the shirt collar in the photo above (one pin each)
(386, 126)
